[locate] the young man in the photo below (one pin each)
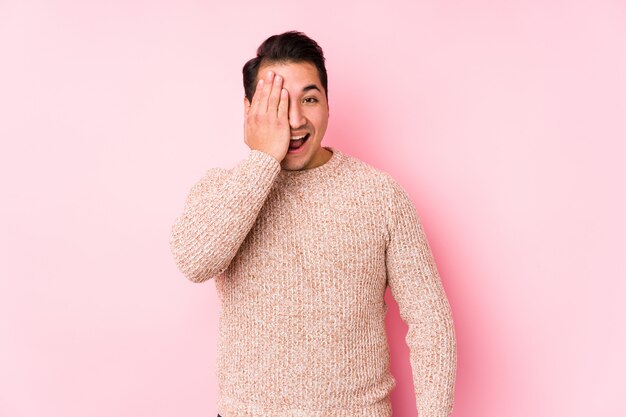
(302, 241)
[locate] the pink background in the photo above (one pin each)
(504, 121)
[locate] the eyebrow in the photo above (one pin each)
(311, 87)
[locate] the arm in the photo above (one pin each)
(219, 212)
(223, 206)
(415, 285)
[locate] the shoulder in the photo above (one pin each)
(382, 181)
(364, 174)
(383, 189)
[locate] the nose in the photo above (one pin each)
(296, 118)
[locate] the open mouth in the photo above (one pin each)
(298, 141)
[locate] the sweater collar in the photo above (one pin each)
(323, 169)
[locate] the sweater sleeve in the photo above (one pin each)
(415, 285)
(219, 212)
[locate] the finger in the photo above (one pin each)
(283, 105)
(265, 92)
(272, 106)
(257, 94)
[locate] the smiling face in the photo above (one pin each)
(308, 112)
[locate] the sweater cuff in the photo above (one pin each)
(266, 163)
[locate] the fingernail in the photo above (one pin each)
(277, 78)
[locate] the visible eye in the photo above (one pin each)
(310, 100)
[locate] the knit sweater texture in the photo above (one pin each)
(301, 261)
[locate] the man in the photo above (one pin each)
(302, 241)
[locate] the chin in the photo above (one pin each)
(294, 166)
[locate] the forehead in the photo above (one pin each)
(294, 73)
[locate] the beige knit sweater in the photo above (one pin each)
(301, 261)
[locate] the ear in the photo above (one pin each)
(246, 104)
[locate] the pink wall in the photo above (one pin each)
(505, 122)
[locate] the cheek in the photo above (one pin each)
(319, 120)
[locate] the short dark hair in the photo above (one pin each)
(287, 47)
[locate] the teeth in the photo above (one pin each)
(298, 137)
